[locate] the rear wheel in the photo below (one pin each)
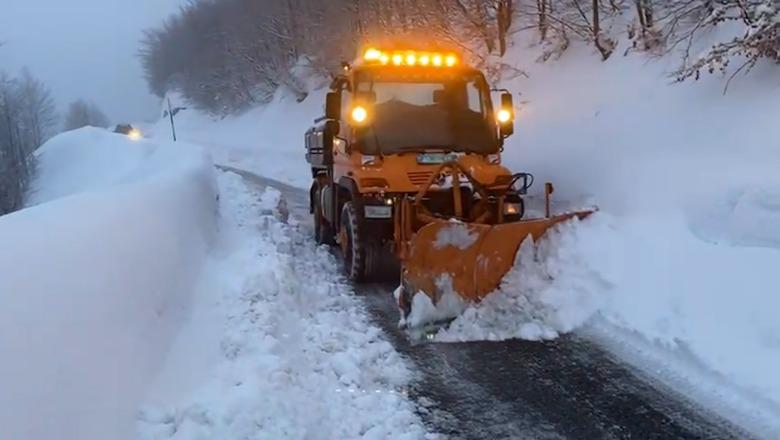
(323, 232)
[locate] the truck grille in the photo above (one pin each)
(419, 177)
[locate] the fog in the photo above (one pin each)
(84, 49)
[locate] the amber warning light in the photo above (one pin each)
(410, 58)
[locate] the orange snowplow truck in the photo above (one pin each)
(407, 161)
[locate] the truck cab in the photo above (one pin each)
(392, 120)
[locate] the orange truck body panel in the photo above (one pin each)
(402, 174)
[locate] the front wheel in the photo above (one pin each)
(352, 244)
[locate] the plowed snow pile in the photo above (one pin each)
(95, 279)
(298, 357)
(555, 286)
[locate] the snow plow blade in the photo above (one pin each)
(476, 259)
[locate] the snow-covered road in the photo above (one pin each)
(566, 388)
(297, 356)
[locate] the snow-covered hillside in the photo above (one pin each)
(683, 255)
(95, 280)
(689, 178)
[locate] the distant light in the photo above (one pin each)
(398, 59)
(384, 59)
(425, 60)
(411, 59)
(134, 134)
(437, 60)
(451, 60)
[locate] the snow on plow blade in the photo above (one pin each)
(475, 256)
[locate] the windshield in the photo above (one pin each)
(448, 112)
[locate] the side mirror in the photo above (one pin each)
(507, 101)
(506, 115)
(333, 106)
(320, 141)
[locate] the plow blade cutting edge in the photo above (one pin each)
(476, 257)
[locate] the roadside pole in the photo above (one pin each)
(173, 125)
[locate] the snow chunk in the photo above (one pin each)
(455, 234)
(448, 305)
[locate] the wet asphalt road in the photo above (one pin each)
(569, 388)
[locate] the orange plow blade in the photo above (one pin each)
(475, 257)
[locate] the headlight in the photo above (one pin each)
(504, 116)
(359, 114)
(512, 208)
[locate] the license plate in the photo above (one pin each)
(378, 211)
(435, 158)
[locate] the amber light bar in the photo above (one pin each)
(410, 58)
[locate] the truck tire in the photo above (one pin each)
(323, 232)
(352, 242)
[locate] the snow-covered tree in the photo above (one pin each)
(82, 114)
(27, 118)
(228, 55)
(759, 37)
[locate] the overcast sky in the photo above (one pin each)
(84, 49)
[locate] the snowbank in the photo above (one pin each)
(94, 281)
(690, 176)
(299, 357)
